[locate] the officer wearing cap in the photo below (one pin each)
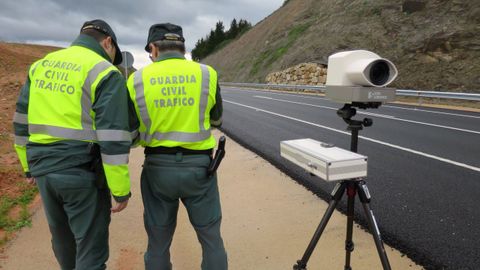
(71, 134)
(177, 101)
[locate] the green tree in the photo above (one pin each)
(219, 33)
(218, 38)
(233, 31)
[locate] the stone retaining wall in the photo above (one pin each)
(301, 74)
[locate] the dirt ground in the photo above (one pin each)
(15, 60)
(268, 220)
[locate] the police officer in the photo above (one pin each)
(177, 101)
(73, 102)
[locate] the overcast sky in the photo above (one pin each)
(57, 22)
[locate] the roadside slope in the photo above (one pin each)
(434, 45)
(14, 195)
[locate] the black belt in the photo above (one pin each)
(174, 150)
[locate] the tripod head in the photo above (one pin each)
(348, 111)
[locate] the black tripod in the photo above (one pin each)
(352, 188)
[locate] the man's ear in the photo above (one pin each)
(108, 42)
(153, 51)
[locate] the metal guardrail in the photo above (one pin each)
(400, 92)
(435, 94)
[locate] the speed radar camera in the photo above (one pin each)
(360, 76)
(359, 79)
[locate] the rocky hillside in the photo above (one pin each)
(434, 43)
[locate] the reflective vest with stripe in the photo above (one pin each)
(173, 99)
(61, 94)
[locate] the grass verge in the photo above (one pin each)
(14, 210)
(268, 57)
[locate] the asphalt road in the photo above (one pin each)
(423, 167)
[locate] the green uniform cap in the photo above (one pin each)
(102, 26)
(164, 31)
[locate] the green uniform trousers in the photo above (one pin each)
(166, 179)
(78, 215)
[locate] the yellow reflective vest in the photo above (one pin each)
(173, 99)
(62, 92)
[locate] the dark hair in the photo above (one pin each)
(169, 45)
(97, 35)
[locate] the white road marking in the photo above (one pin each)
(296, 102)
(386, 106)
(452, 162)
(300, 95)
(374, 114)
(428, 111)
(295, 95)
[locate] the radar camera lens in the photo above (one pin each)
(379, 72)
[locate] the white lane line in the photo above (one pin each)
(324, 107)
(376, 115)
(296, 102)
(300, 95)
(452, 162)
(386, 106)
(428, 111)
(295, 95)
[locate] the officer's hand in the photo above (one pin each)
(30, 181)
(119, 206)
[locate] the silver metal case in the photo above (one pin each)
(326, 161)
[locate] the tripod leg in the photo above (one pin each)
(349, 246)
(337, 194)
(364, 196)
